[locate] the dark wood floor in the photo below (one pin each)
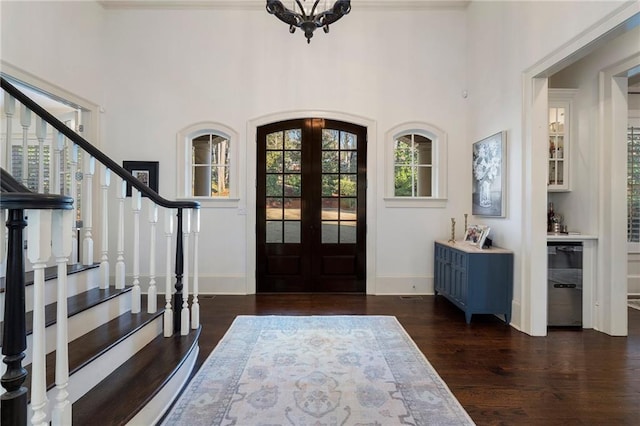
(500, 375)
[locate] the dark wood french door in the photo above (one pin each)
(311, 207)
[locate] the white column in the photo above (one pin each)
(41, 134)
(136, 201)
(105, 180)
(195, 305)
(152, 292)
(39, 251)
(55, 168)
(61, 245)
(186, 230)
(120, 266)
(87, 209)
(9, 111)
(25, 121)
(73, 192)
(168, 290)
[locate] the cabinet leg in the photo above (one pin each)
(507, 319)
(467, 316)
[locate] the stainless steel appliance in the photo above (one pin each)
(564, 277)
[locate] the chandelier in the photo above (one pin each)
(309, 18)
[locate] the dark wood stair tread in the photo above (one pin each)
(120, 396)
(75, 305)
(91, 345)
(51, 272)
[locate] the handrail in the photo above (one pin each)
(95, 152)
(14, 195)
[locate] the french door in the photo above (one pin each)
(311, 207)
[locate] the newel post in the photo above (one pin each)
(13, 402)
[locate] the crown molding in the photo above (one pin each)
(260, 4)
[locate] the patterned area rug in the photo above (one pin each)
(634, 303)
(316, 371)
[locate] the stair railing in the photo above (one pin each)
(50, 219)
(177, 316)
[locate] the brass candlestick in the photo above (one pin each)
(453, 230)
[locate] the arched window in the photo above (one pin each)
(416, 166)
(207, 160)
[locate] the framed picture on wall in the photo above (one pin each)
(489, 194)
(145, 171)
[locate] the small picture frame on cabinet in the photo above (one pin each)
(473, 234)
(483, 237)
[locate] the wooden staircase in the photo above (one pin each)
(102, 343)
(121, 368)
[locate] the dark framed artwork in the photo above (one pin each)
(489, 194)
(145, 171)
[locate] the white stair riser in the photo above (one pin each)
(152, 413)
(76, 284)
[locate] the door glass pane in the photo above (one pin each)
(292, 161)
(348, 209)
(348, 141)
(292, 208)
(329, 185)
(293, 139)
(330, 208)
(292, 185)
(330, 161)
(329, 232)
(330, 139)
(274, 232)
(274, 161)
(274, 186)
(348, 185)
(274, 208)
(347, 232)
(292, 232)
(274, 140)
(349, 162)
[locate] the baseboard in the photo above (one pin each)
(408, 285)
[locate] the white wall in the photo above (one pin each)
(59, 42)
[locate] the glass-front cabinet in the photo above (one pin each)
(559, 144)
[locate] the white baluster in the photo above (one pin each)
(136, 205)
(25, 121)
(9, 111)
(41, 134)
(186, 230)
(61, 245)
(73, 192)
(105, 180)
(152, 292)
(87, 210)
(195, 305)
(168, 290)
(56, 172)
(39, 251)
(120, 266)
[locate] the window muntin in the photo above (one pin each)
(413, 166)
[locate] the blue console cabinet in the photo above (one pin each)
(478, 281)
